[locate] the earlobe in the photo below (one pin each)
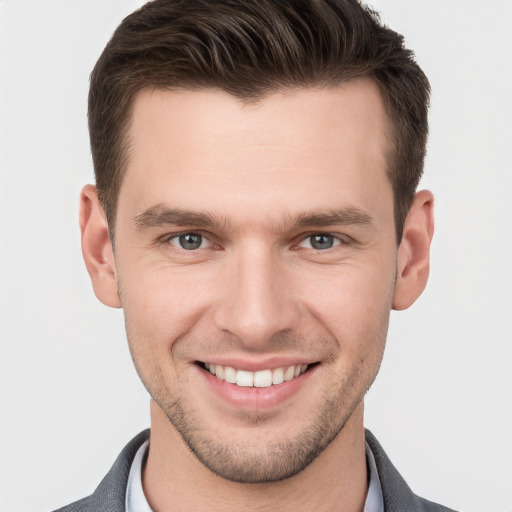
(413, 262)
(97, 248)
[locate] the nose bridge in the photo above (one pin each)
(256, 301)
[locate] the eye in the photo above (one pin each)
(320, 241)
(188, 241)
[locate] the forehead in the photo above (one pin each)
(192, 147)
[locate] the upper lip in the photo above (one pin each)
(255, 365)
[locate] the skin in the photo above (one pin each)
(256, 182)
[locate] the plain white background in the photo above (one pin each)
(69, 396)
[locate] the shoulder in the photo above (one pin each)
(78, 506)
(110, 494)
(429, 506)
(398, 496)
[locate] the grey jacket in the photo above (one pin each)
(110, 494)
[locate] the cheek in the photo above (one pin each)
(159, 309)
(158, 313)
(352, 303)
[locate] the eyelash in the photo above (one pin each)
(338, 240)
(167, 239)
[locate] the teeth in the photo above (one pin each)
(289, 373)
(230, 375)
(278, 376)
(261, 379)
(245, 379)
(219, 371)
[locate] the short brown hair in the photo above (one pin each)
(251, 48)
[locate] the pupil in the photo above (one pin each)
(322, 241)
(190, 241)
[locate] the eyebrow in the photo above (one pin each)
(342, 217)
(161, 215)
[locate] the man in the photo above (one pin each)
(256, 217)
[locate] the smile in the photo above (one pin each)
(259, 379)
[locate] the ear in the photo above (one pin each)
(97, 248)
(413, 262)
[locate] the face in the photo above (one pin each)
(255, 258)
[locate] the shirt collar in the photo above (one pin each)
(135, 500)
(374, 498)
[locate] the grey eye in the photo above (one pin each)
(190, 241)
(321, 241)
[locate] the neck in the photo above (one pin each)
(175, 479)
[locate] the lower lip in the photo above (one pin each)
(256, 398)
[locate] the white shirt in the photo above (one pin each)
(136, 500)
(374, 499)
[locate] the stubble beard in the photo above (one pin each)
(257, 457)
(260, 460)
(246, 462)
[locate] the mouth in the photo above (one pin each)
(259, 379)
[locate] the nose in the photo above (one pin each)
(257, 299)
